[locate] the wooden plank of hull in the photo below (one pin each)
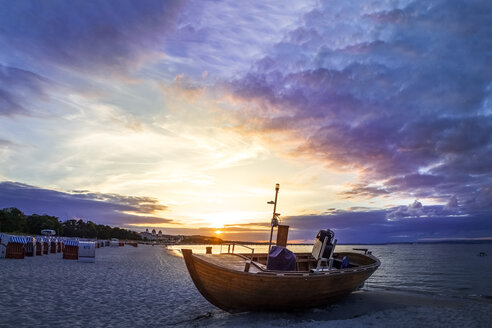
(233, 290)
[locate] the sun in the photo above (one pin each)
(218, 232)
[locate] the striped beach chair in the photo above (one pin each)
(29, 246)
(15, 248)
(46, 245)
(39, 246)
(71, 249)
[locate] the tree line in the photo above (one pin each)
(12, 220)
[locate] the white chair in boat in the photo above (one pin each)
(318, 252)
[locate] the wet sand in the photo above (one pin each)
(147, 286)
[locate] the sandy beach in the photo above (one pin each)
(148, 286)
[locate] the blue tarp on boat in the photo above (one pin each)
(281, 259)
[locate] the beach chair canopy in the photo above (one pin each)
(71, 243)
(17, 239)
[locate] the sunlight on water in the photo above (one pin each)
(216, 249)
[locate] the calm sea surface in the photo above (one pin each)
(440, 269)
(147, 286)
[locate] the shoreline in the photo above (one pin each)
(365, 308)
(147, 286)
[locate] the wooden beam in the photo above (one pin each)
(282, 234)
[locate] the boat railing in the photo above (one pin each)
(234, 246)
(247, 264)
(365, 250)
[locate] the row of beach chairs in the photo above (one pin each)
(18, 247)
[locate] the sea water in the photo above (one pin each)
(444, 269)
(148, 286)
(454, 270)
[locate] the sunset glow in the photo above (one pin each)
(182, 116)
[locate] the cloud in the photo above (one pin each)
(482, 199)
(395, 93)
(413, 210)
(224, 37)
(85, 35)
(17, 86)
(399, 94)
(413, 223)
(111, 209)
(6, 143)
(452, 203)
(363, 190)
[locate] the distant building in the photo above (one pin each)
(160, 237)
(147, 235)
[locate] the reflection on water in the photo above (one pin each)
(443, 269)
(176, 249)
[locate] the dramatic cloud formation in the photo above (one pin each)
(400, 94)
(108, 209)
(414, 222)
(379, 111)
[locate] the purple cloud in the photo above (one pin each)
(222, 38)
(401, 94)
(401, 224)
(16, 87)
(107, 209)
(415, 222)
(86, 35)
(413, 210)
(398, 91)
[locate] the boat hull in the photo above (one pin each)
(236, 291)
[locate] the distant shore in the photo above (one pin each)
(354, 244)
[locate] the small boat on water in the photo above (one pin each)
(279, 279)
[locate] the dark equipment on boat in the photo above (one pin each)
(281, 259)
(318, 242)
(345, 263)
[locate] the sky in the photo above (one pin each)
(375, 117)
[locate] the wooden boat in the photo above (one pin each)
(241, 282)
(221, 279)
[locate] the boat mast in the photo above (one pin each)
(274, 219)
